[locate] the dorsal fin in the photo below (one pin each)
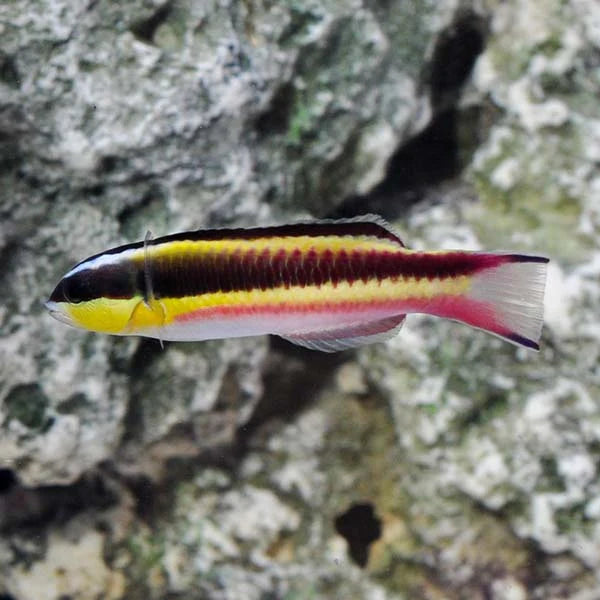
(367, 225)
(390, 232)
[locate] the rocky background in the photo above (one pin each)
(443, 464)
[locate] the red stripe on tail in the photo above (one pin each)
(506, 298)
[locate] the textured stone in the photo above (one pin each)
(72, 567)
(228, 469)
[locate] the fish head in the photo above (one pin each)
(97, 296)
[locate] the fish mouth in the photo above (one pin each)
(59, 314)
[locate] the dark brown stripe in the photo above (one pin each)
(110, 281)
(193, 274)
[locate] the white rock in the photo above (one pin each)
(508, 588)
(73, 568)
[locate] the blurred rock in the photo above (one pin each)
(73, 567)
(442, 464)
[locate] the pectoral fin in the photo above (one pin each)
(146, 315)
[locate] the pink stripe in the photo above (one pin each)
(473, 312)
(288, 308)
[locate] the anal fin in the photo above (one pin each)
(351, 336)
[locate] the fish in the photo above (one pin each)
(326, 285)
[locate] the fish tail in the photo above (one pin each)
(507, 298)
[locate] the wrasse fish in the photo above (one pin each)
(326, 285)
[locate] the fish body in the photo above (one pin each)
(327, 285)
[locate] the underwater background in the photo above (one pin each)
(443, 464)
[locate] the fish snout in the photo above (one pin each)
(58, 312)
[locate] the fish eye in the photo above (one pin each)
(75, 289)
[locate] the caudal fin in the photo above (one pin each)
(511, 296)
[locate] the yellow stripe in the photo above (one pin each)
(274, 244)
(386, 290)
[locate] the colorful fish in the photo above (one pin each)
(326, 285)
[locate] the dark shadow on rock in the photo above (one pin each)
(145, 29)
(141, 362)
(426, 160)
(292, 379)
(454, 57)
(8, 480)
(23, 507)
(439, 152)
(360, 527)
(275, 118)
